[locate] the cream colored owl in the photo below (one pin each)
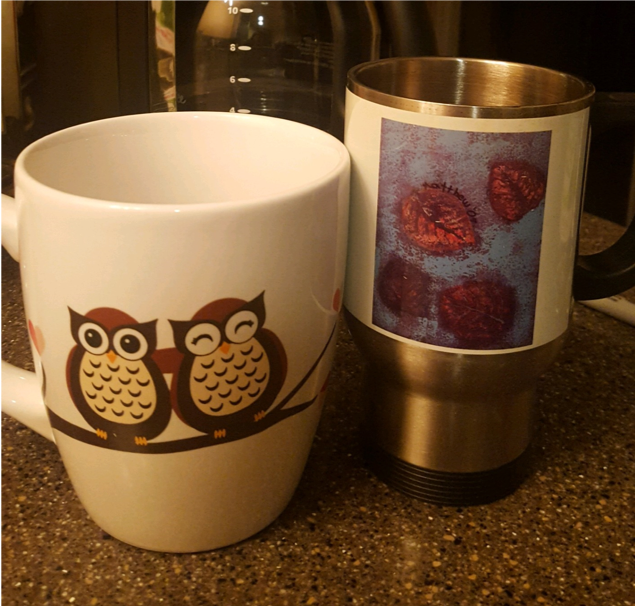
(232, 368)
(113, 380)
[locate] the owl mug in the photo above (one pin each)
(182, 277)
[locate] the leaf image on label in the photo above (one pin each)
(435, 219)
(479, 312)
(402, 288)
(515, 188)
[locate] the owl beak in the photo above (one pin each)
(225, 347)
(112, 356)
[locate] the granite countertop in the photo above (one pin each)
(566, 536)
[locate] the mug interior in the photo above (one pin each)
(470, 87)
(183, 158)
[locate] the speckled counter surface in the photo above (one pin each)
(567, 536)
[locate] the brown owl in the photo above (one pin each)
(232, 368)
(112, 378)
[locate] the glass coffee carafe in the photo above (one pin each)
(277, 58)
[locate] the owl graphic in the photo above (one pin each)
(232, 368)
(113, 380)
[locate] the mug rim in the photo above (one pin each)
(374, 94)
(26, 181)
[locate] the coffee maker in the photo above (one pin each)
(82, 61)
(65, 63)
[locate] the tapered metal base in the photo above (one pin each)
(448, 427)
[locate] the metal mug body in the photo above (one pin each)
(465, 200)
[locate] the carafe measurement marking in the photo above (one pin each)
(245, 48)
(234, 10)
(271, 58)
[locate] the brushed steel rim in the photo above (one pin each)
(469, 88)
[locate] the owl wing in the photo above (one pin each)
(168, 360)
(278, 362)
(161, 417)
(178, 371)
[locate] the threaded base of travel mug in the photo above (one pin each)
(447, 488)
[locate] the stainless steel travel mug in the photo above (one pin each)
(467, 180)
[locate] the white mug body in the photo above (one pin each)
(228, 222)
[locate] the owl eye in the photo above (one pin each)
(130, 344)
(203, 339)
(93, 338)
(241, 326)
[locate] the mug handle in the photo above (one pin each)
(611, 271)
(21, 394)
(606, 273)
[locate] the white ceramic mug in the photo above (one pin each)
(182, 279)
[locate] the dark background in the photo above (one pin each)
(85, 60)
